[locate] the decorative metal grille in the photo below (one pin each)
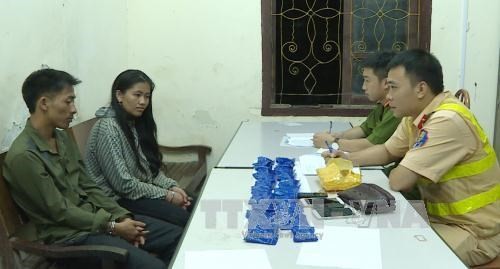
(309, 45)
(308, 57)
(378, 25)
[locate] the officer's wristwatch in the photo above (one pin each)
(335, 143)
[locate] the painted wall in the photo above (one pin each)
(85, 38)
(205, 60)
(482, 44)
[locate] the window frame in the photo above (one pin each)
(362, 108)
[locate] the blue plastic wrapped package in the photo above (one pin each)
(302, 231)
(284, 170)
(286, 189)
(282, 176)
(285, 161)
(264, 171)
(262, 236)
(304, 237)
(262, 228)
(304, 234)
(263, 161)
(261, 192)
(285, 214)
(265, 208)
(284, 193)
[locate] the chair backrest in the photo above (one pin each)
(81, 132)
(463, 96)
(10, 217)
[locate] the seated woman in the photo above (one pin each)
(123, 156)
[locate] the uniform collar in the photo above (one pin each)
(424, 115)
(40, 143)
(385, 103)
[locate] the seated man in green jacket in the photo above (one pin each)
(46, 177)
(380, 124)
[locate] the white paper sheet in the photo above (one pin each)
(299, 139)
(304, 183)
(321, 150)
(227, 259)
(300, 143)
(300, 135)
(310, 162)
(291, 124)
(344, 247)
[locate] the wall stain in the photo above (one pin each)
(204, 117)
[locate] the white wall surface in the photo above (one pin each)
(85, 38)
(483, 48)
(481, 54)
(205, 59)
(31, 34)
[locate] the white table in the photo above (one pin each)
(218, 224)
(255, 139)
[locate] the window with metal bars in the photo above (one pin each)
(313, 50)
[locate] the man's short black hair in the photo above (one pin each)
(378, 62)
(45, 81)
(420, 65)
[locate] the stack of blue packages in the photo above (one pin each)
(274, 204)
(261, 226)
(285, 193)
(263, 162)
(302, 231)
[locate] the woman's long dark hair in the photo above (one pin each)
(145, 124)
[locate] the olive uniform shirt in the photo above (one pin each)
(380, 124)
(53, 189)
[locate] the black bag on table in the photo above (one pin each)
(369, 198)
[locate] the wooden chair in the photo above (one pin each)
(13, 223)
(463, 96)
(80, 134)
(189, 174)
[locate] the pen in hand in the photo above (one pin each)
(330, 149)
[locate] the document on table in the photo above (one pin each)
(344, 247)
(321, 150)
(291, 124)
(310, 162)
(227, 259)
(304, 183)
(297, 140)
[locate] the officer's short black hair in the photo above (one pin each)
(420, 65)
(45, 81)
(378, 62)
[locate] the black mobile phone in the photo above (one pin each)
(312, 195)
(320, 201)
(329, 208)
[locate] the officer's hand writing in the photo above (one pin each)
(320, 138)
(335, 154)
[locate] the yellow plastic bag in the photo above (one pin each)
(338, 175)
